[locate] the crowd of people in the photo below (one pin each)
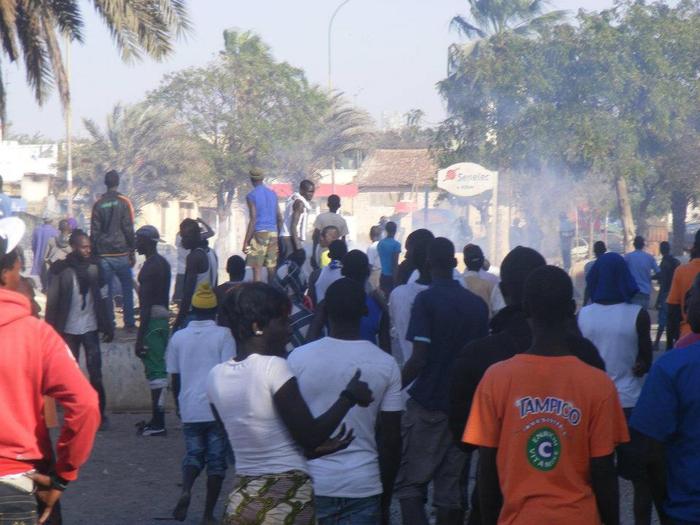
(338, 381)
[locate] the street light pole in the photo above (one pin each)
(330, 78)
(330, 42)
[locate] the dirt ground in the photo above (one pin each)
(131, 480)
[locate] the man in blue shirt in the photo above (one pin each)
(389, 249)
(643, 267)
(444, 318)
(260, 243)
(668, 412)
(5, 203)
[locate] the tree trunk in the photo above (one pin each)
(623, 201)
(679, 209)
(223, 211)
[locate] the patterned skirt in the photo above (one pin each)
(274, 499)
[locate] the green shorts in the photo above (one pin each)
(156, 341)
(263, 250)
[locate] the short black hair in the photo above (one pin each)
(112, 179)
(8, 260)
(473, 257)
(441, 254)
(298, 257)
(326, 229)
(419, 236)
(599, 248)
(549, 295)
(306, 185)
(235, 266)
(75, 235)
(253, 303)
(62, 224)
(337, 250)
(375, 232)
(516, 268)
(333, 202)
(346, 300)
(418, 256)
(391, 227)
(356, 266)
(665, 248)
(189, 226)
(638, 242)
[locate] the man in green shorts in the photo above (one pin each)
(261, 244)
(152, 338)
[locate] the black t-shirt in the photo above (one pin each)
(154, 282)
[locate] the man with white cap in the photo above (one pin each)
(152, 338)
(35, 362)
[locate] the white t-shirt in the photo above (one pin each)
(373, 256)
(242, 393)
(192, 353)
(400, 304)
(80, 320)
(327, 277)
(613, 330)
(323, 369)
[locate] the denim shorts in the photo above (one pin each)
(205, 444)
(348, 511)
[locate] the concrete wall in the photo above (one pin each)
(124, 379)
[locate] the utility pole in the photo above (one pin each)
(69, 132)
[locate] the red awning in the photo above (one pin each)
(284, 190)
(405, 207)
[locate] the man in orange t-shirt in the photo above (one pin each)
(547, 424)
(682, 282)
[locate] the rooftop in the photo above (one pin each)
(396, 168)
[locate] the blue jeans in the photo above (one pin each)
(205, 444)
(348, 511)
(120, 268)
(17, 507)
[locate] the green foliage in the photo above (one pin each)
(31, 30)
(155, 155)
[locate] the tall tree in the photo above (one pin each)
(156, 156)
(31, 30)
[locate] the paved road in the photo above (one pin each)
(133, 480)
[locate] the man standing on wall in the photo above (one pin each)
(112, 236)
(296, 218)
(260, 243)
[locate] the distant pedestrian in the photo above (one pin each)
(444, 318)
(235, 269)
(192, 353)
(255, 395)
(329, 234)
(389, 250)
(296, 219)
(682, 282)
(5, 203)
(76, 309)
(621, 330)
(665, 277)
(112, 236)
(407, 271)
(567, 231)
(291, 280)
(331, 273)
(403, 296)
(202, 266)
(356, 484)
(599, 249)
(58, 247)
(375, 235)
(547, 424)
(152, 336)
(643, 267)
(329, 218)
(517, 234)
(40, 241)
(261, 242)
(35, 363)
(182, 254)
(473, 281)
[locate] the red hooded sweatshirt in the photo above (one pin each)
(34, 362)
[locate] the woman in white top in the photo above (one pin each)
(269, 425)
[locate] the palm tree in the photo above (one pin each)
(156, 156)
(493, 18)
(31, 30)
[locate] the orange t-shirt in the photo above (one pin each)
(548, 416)
(682, 282)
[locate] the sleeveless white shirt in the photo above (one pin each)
(303, 219)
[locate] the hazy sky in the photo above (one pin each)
(387, 55)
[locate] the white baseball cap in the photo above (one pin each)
(11, 232)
